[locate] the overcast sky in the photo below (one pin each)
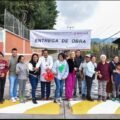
(102, 17)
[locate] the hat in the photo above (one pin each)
(88, 55)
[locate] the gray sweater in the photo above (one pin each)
(22, 71)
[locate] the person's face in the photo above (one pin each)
(35, 58)
(87, 59)
(103, 59)
(22, 60)
(14, 53)
(78, 53)
(45, 54)
(1, 57)
(61, 58)
(116, 59)
(72, 55)
(93, 59)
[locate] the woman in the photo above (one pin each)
(3, 72)
(33, 75)
(69, 82)
(60, 69)
(22, 74)
(103, 69)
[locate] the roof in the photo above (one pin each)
(117, 41)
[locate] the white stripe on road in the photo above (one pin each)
(22, 107)
(108, 107)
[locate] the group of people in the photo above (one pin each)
(70, 71)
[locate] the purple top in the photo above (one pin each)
(104, 71)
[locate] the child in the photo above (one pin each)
(60, 70)
(3, 72)
(22, 73)
(116, 82)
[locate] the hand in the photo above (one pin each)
(55, 73)
(2, 74)
(100, 76)
(35, 69)
(63, 79)
(75, 68)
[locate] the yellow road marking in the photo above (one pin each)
(83, 107)
(117, 111)
(8, 103)
(49, 108)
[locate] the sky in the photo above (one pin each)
(101, 17)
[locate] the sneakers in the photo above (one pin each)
(16, 98)
(34, 101)
(13, 99)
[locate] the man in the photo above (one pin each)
(12, 75)
(78, 60)
(45, 63)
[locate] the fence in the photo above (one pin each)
(14, 25)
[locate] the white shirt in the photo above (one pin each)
(90, 69)
(44, 63)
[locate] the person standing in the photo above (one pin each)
(89, 73)
(78, 61)
(70, 80)
(116, 81)
(111, 85)
(60, 69)
(22, 75)
(45, 63)
(33, 75)
(13, 81)
(103, 70)
(3, 73)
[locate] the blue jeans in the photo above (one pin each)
(33, 82)
(13, 81)
(59, 88)
(83, 87)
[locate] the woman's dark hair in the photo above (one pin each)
(61, 54)
(35, 54)
(19, 58)
(92, 56)
(2, 54)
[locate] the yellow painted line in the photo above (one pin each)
(117, 111)
(8, 103)
(83, 107)
(49, 108)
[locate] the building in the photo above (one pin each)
(117, 41)
(9, 40)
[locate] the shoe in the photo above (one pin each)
(13, 99)
(74, 95)
(114, 99)
(60, 100)
(104, 99)
(83, 96)
(99, 97)
(16, 98)
(34, 101)
(47, 98)
(90, 99)
(56, 101)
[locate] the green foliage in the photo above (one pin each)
(40, 14)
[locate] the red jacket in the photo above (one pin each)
(104, 71)
(3, 67)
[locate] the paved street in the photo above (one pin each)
(47, 109)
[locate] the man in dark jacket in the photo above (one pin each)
(78, 61)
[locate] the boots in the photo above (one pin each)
(34, 101)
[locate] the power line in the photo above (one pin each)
(111, 36)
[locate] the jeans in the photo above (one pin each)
(83, 87)
(33, 82)
(2, 86)
(45, 89)
(59, 88)
(13, 81)
(89, 85)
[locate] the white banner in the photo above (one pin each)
(67, 39)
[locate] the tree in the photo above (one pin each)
(35, 14)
